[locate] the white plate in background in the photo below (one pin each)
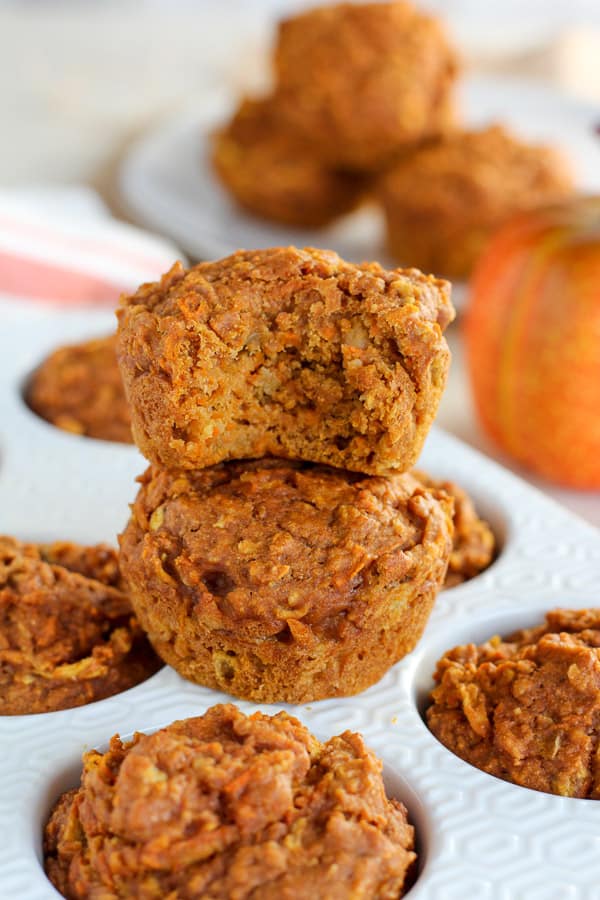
(167, 182)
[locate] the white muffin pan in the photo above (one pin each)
(479, 838)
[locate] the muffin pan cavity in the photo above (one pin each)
(367, 817)
(517, 696)
(78, 388)
(478, 836)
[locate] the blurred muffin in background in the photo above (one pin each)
(360, 82)
(444, 200)
(273, 172)
(78, 388)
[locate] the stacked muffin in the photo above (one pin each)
(363, 104)
(278, 548)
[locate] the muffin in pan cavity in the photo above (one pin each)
(226, 805)
(526, 708)
(474, 545)
(363, 81)
(282, 581)
(273, 173)
(288, 353)
(78, 388)
(68, 635)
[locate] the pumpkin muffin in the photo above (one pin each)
(474, 545)
(444, 201)
(79, 389)
(289, 353)
(274, 174)
(362, 82)
(280, 581)
(66, 638)
(226, 805)
(527, 708)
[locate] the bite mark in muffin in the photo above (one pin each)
(285, 352)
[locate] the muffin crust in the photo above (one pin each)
(289, 353)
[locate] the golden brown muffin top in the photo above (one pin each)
(477, 175)
(360, 80)
(227, 805)
(264, 288)
(285, 352)
(78, 388)
(58, 626)
(265, 546)
(527, 708)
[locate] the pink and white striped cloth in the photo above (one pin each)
(60, 246)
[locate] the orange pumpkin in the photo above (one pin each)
(532, 333)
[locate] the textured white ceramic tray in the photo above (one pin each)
(480, 838)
